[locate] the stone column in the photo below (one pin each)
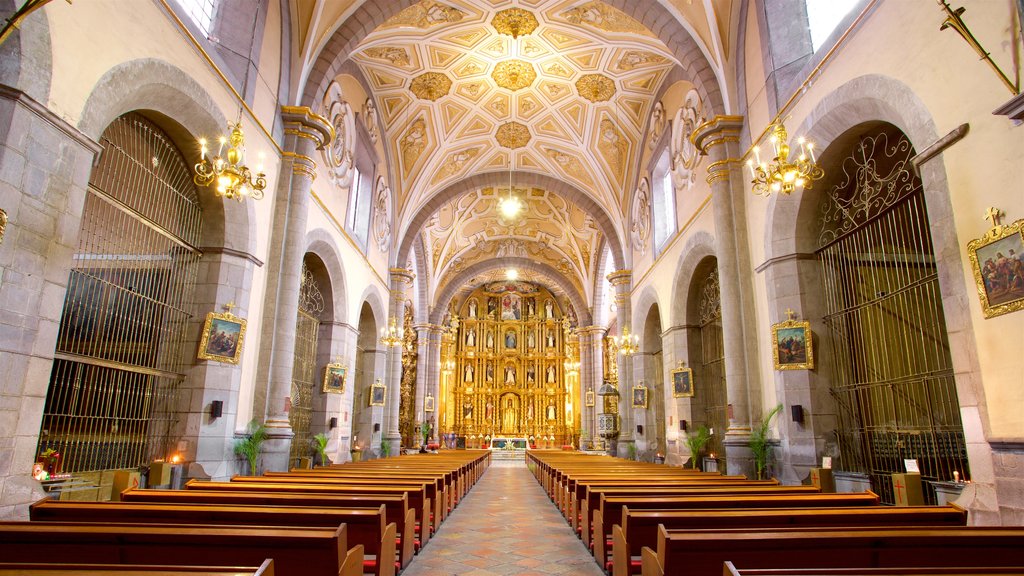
(401, 279)
(428, 372)
(305, 132)
(591, 378)
(44, 172)
(340, 338)
(675, 342)
(719, 140)
(622, 283)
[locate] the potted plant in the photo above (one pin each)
(425, 433)
(385, 448)
(320, 445)
(759, 442)
(696, 443)
(251, 444)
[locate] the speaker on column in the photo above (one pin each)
(798, 413)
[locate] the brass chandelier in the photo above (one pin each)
(393, 334)
(227, 173)
(628, 344)
(781, 174)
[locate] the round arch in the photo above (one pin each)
(602, 219)
(26, 57)
(150, 85)
(320, 243)
(545, 270)
(648, 299)
(371, 297)
(698, 248)
(370, 15)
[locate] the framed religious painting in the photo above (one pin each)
(682, 382)
(640, 396)
(589, 399)
(997, 260)
(377, 390)
(428, 403)
(792, 345)
(334, 379)
(223, 336)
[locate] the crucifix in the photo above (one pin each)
(899, 491)
(994, 214)
(227, 307)
(790, 314)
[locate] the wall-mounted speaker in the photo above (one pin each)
(640, 429)
(216, 408)
(798, 413)
(332, 423)
(682, 425)
(376, 427)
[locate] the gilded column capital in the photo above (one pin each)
(301, 121)
(402, 275)
(620, 277)
(721, 129)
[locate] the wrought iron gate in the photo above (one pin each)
(307, 326)
(712, 373)
(892, 372)
(117, 370)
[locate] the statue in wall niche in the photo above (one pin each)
(531, 307)
(549, 309)
(551, 339)
(469, 373)
(490, 340)
(510, 339)
(531, 375)
(471, 337)
(472, 308)
(531, 340)
(489, 410)
(551, 374)
(510, 374)
(551, 411)
(490, 372)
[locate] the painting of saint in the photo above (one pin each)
(511, 307)
(792, 346)
(682, 383)
(510, 339)
(492, 306)
(1002, 270)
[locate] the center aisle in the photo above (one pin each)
(505, 525)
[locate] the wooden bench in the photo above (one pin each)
(704, 552)
(295, 551)
(417, 497)
(364, 526)
(613, 506)
(396, 507)
(35, 569)
(639, 528)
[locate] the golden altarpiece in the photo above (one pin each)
(511, 367)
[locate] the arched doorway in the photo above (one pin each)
(367, 419)
(709, 405)
(305, 392)
(892, 378)
(119, 361)
(654, 378)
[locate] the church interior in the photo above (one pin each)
(524, 243)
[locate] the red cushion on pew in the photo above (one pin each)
(370, 565)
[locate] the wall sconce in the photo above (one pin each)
(798, 413)
(332, 423)
(216, 409)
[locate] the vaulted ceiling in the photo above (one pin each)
(570, 97)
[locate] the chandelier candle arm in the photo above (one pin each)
(227, 172)
(782, 175)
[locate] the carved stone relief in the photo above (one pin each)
(382, 215)
(685, 156)
(640, 226)
(340, 155)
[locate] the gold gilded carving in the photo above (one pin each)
(412, 144)
(614, 147)
(595, 87)
(455, 163)
(3, 224)
(430, 86)
(570, 164)
(514, 74)
(426, 15)
(512, 135)
(395, 55)
(603, 17)
(514, 22)
(633, 59)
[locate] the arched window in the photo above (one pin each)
(663, 204)
(823, 16)
(201, 12)
(113, 400)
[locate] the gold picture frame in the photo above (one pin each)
(640, 396)
(428, 403)
(590, 399)
(793, 345)
(3, 224)
(996, 263)
(334, 378)
(378, 393)
(682, 382)
(223, 337)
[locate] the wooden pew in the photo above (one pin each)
(364, 526)
(639, 528)
(49, 569)
(595, 495)
(614, 505)
(295, 551)
(704, 552)
(731, 570)
(396, 507)
(416, 496)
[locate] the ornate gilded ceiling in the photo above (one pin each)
(552, 231)
(579, 83)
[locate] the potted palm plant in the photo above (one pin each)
(759, 442)
(696, 443)
(320, 445)
(251, 445)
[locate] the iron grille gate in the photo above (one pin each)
(113, 390)
(712, 362)
(893, 377)
(311, 305)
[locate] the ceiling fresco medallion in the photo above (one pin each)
(512, 135)
(430, 86)
(514, 22)
(514, 74)
(595, 87)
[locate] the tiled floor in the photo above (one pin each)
(505, 525)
